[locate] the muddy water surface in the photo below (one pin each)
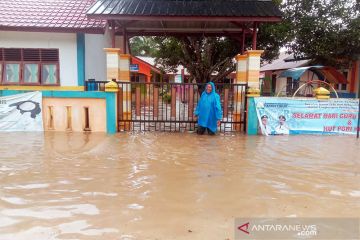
(169, 186)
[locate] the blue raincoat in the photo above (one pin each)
(209, 109)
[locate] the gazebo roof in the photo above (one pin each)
(155, 17)
(170, 8)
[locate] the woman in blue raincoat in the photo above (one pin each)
(208, 110)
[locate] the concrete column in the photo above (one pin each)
(253, 68)
(112, 63)
(241, 68)
(124, 67)
(124, 76)
(241, 78)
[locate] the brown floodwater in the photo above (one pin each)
(169, 185)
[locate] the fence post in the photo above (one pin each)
(191, 102)
(156, 101)
(252, 123)
(173, 102)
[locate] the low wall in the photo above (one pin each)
(74, 114)
(76, 111)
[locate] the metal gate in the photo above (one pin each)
(170, 106)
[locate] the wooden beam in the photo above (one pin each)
(177, 34)
(125, 40)
(183, 18)
(254, 36)
(243, 43)
(113, 41)
(182, 30)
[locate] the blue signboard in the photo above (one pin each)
(278, 116)
(134, 67)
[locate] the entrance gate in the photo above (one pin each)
(170, 106)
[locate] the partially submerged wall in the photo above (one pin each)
(74, 114)
(77, 111)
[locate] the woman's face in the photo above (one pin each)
(208, 88)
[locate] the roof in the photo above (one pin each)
(214, 8)
(285, 61)
(152, 62)
(48, 15)
(323, 72)
(150, 65)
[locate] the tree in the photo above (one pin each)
(143, 46)
(207, 58)
(327, 31)
(201, 56)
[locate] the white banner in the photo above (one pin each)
(21, 112)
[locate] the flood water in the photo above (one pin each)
(169, 185)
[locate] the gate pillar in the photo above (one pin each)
(124, 76)
(253, 68)
(241, 78)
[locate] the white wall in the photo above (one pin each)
(95, 56)
(281, 82)
(65, 42)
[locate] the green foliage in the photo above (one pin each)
(201, 56)
(327, 31)
(143, 46)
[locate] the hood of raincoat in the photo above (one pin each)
(213, 88)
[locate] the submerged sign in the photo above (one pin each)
(21, 112)
(279, 116)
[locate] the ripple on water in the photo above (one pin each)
(29, 186)
(52, 212)
(160, 185)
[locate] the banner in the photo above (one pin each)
(21, 112)
(279, 116)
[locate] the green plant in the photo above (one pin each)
(166, 98)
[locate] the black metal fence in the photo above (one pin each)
(171, 106)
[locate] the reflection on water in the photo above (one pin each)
(169, 186)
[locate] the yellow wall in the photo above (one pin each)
(97, 114)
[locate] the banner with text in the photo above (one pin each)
(278, 116)
(21, 112)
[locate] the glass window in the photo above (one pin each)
(31, 73)
(12, 72)
(49, 74)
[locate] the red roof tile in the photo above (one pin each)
(48, 15)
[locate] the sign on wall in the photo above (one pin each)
(278, 116)
(134, 67)
(21, 112)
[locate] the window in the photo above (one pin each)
(342, 86)
(12, 73)
(29, 66)
(291, 86)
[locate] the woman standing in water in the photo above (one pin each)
(208, 110)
